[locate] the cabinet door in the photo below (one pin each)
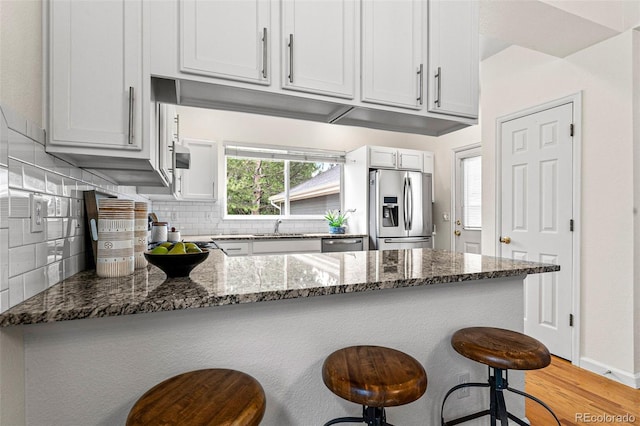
(198, 182)
(96, 74)
(318, 37)
(453, 57)
(226, 39)
(392, 43)
(409, 159)
(382, 157)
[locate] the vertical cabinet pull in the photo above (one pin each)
(264, 53)
(438, 87)
(290, 58)
(420, 80)
(130, 115)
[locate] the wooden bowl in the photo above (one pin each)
(176, 265)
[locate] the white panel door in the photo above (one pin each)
(382, 157)
(468, 201)
(536, 211)
(318, 37)
(453, 57)
(226, 39)
(96, 99)
(392, 45)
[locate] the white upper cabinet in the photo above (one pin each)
(96, 79)
(318, 38)
(199, 181)
(226, 39)
(453, 57)
(392, 56)
(392, 158)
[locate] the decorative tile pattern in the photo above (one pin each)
(222, 280)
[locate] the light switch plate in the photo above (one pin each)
(38, 211)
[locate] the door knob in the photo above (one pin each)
(505, 240)
(456, 233)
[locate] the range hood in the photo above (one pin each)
(229, 98)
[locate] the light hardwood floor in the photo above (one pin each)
(575, 394)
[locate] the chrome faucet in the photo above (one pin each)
(277, 226)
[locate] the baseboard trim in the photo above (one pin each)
(620, 376)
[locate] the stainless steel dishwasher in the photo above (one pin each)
(341, 244)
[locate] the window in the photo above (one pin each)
(472, 192)
(266, 181)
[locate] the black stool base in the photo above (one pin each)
(372, 416)
(498, 408)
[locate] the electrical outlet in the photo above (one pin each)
(38, 211)
(174, 216)
(463, 378)
(208, 216)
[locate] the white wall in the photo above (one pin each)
(21, 57)
(519, 78)
(636, 181)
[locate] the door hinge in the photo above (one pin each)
(571, 225)
(570, 320)
(571, 129)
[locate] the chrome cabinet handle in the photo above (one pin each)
(439, 87)
(290, 58)
(420, 80)
(130, 115)
(264, 52)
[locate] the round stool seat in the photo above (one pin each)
(202, 397)
(374, 376)
(500, 348)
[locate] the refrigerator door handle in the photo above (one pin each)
(405, 204)
(408, 240)
(410, 203)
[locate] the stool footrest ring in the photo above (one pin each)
(498, 410)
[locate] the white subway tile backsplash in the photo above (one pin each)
(21, 259)
(30, 262)
(54, 273)
(4, 259)
(42, 253)
(34, 282)
(42, 159)
(18, 203)
(54, 228)
(54, 184)
(4, 300)
(15, 173)
(15, 232)
(16, 290)
(4, 197)
(29, 237)
(34, 178)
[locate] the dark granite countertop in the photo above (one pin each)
(281, 235)
(223, 280)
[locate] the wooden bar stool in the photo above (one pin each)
(202, 397)
(374, 377)
(501, 350)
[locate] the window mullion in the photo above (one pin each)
(287, 210)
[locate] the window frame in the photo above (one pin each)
(287, 154)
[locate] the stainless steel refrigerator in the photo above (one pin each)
(400, 212)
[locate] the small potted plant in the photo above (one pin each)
(337, 221)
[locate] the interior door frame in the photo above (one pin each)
(576, 100)
(454, 186)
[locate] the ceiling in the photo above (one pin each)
(554, 27)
